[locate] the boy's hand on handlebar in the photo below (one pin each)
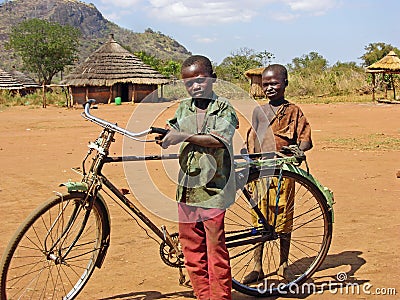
(295, 151)
(173, 137)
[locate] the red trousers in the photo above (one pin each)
(202, 236)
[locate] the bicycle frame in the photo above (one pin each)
(266, 161)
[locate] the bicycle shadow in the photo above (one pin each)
(322, 283)
(152, 295)
(318, 284)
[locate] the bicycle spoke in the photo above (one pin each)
(54, 256)
(294, 249)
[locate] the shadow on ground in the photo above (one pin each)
(320, 284)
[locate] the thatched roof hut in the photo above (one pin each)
(24, 79)
(254, 76)
(17, 82)
(390, 64)
(110, 72)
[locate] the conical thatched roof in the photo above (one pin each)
(15, 80)
(111, 64)
(7, 82)
(24, 79)
(389, 63)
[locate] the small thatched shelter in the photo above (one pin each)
(254, 76)
(110, 72)
(390, 64)
(17, 82)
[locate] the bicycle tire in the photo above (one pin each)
(29, 270)
(309, 239)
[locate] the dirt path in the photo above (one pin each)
(352, 156)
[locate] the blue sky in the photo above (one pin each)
(338, 30)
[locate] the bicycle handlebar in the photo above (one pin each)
(114, 127)
(158, 130)
(291, 150)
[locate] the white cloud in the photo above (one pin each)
(316, 7)
(194, 12)
(120, 3)
(206, 12)
(285, 17)
(205, 40)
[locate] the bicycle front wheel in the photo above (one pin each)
(54, 252)
(275, 246)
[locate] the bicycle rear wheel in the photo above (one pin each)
(282, 255)
(53, 253)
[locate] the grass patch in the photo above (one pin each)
(56, 97)
(375, 141)
(328, 99)
(335, 99)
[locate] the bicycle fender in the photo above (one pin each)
(75, 186)
(106, 231)
(82, 187)
(324, 190)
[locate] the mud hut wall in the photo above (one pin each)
(142, 90)
(100, 93)
(78, 94)
(105, 94)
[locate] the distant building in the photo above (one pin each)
(110, 72)
(17, 82)
(254, 76)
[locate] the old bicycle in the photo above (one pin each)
(56, 249)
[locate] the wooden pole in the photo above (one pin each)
(394, 89)
(71, 96)
(373, 87)
(44, 95)
(386, 85)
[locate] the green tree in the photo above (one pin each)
(308, 64)
(169, 68)
(376, 51)
(148, 59)
(172, 68)
(234, 66)
(45, 47)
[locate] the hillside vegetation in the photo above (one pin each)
(94, 27)
(311, 77)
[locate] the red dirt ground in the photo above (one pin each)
(39, 146)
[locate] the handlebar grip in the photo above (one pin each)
(295, 151)
(90, 101)
(158, 130)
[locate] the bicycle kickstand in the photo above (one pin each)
(182, 277)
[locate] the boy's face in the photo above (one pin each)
(198, 81)
(273, 85)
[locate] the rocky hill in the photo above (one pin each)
(94, 27)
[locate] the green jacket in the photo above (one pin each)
(206, 175)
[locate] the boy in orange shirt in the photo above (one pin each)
(276, 124)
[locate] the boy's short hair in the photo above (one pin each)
(281, 70)
(199, 59)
